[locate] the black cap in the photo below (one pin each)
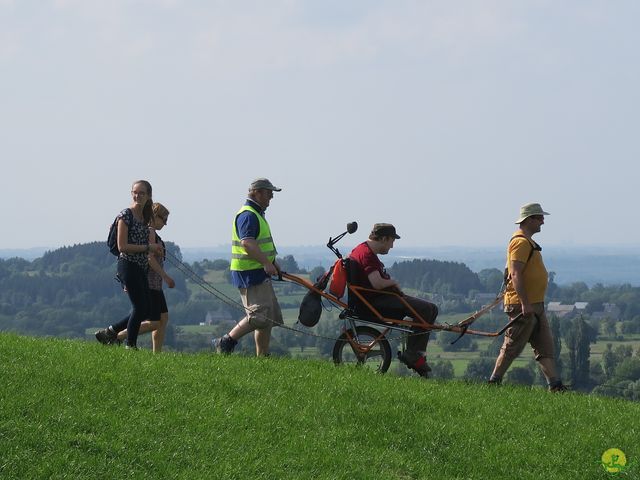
(384, 230)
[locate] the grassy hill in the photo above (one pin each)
(74, 409)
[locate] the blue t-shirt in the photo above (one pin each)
(248, 226)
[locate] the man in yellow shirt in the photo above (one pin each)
(524, 298)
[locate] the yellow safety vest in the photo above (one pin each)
(240, 260)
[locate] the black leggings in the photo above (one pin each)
(134, 279)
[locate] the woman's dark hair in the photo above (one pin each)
(147, 211)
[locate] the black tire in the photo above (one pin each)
(378, 358)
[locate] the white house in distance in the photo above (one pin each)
(560, 310)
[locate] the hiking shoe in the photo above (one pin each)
(420, 364)
(106, 336)
(558, 387)
(421, 367)
(494, 382)
(224, 344)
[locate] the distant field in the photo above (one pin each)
(600, 346)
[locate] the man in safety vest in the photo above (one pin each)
(253, 262)
(524, 299)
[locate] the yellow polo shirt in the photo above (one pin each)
(535, 274)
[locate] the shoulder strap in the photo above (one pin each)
(533, 247)
(506, 278)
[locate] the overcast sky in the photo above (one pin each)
(440, 117)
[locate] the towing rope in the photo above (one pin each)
(224, 298)
(208, 287)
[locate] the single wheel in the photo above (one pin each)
(371, 349)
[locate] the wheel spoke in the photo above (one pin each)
(378, 358)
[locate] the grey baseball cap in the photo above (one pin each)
(263, 184)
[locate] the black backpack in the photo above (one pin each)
(112, 239)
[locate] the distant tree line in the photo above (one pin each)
(74, 288)
(80, 278)
(436, 276)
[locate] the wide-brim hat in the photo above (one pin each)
(530, 209)
(263, 184)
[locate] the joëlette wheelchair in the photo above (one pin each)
(363, 340)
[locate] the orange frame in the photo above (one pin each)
(416, 322)
(361, 350)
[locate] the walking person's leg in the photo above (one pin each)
(515, 339)
(263, 311)
(157, 336)
(227, 343)
(131, 276)
(138, 291)
(273, 317)
(544, 350)
(156, 304)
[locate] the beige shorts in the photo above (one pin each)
(533, 329)
(261, 304)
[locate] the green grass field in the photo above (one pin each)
(459, 359)
(78, 410)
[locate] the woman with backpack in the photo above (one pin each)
(159, 313)
(133, 263)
